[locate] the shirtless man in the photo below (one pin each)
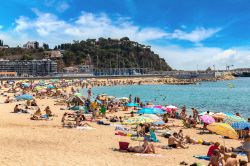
(173, 142)
(232, 161)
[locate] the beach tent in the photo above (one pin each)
(24, 97)
(207, 119)
(75, 99)
(240, 125)
(78, 108)
(132, 105)
(223, 129)
(230, 119)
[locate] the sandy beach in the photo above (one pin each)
(34, 143)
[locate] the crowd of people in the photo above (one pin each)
(102, 109)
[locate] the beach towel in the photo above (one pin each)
(147, 155)
(202, 157)
(137, 138)
(241, 153)
(84, 128)
(121, 128)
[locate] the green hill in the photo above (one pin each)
(102, 53)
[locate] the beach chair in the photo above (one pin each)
(153, 136)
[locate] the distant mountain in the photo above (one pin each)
(102, 53)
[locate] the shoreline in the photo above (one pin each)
(134, 79)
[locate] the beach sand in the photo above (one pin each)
(34, 143)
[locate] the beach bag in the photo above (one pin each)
(123, 145)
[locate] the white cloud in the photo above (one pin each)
(89, 25)
(60, 6)
(47, 27)
(189, 58)
(63, 6)
(197, 35)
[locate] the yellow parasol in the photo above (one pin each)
(223, 129)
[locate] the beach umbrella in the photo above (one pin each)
(25, 85)
(38, 88)
(41, 82)
(169, 108)
(157, 106)
(132, 105)
(150, 111)
(137, 120)
(207, 119)
(230, 119)
(223, 129)
(24, 97)
(50, 86)
(219, 115)
(240, 125)
(205, 113)
(78, 94)
(43, 91)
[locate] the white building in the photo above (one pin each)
(31, 45)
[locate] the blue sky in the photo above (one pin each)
(186, 33)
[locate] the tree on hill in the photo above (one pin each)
(112, 53)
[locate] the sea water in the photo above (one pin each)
(221, 96)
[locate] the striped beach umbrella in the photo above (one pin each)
(223, 129)
(231, 119)
(137, 120)
(240, 125)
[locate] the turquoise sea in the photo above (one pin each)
(222, 96)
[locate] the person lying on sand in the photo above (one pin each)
(79, 122)
(174, 142)
(145, 148)
(190, 140)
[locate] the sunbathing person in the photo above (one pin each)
(7, 100)
(80, 123)
(145, 148)
(48, 111)
(174, 142)
(190, 140)
(232, 161)
(37, 115)
(33, 103)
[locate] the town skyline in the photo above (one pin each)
(184, 39)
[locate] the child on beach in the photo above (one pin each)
(215, 159)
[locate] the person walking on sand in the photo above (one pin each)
(89, 93)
